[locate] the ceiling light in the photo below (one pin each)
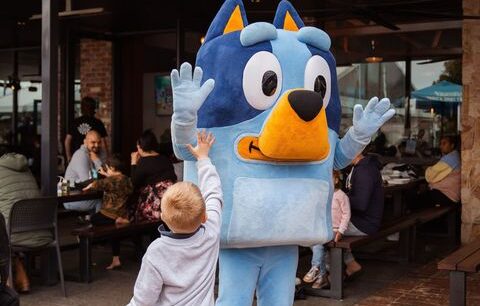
(373, 57)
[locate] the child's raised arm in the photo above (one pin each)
(208, 179)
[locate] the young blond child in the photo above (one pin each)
(179, 267)
(340, 217)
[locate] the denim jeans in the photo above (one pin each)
(84, 205)
(318, 258)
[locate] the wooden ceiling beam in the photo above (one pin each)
(410, 40)
(436, 39)
(404, 28)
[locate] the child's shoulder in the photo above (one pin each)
(339, 193)
(155, 248)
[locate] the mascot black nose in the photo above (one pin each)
(306, 103)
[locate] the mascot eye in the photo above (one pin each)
(262, 79)
(318, 77)
(269, 83)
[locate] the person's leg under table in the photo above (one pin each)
(100, 219)
(352, 266)
(84, 205)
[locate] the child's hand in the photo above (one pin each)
(90, 186)
(102, 171)
(338, 237)
(204, 143)
(134, 158)
(121, 220)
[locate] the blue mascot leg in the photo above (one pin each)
(238, 275)
(276, 284)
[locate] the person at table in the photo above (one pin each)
(84, 166)
(151, 173)
(318, 274)
(116, 189)
(82, 125)
(17, 183)
(444, 177)
(365, 191)
(422, 148)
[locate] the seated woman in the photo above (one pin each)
(116, 189)
(365, 192)
(444, 177)
(151, 175)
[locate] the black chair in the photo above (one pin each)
(4, 252)
(31, 215)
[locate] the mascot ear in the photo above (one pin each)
(287, 18)
(230, 18)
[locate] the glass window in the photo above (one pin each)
(425, 121)
(358, 83)
(6, 100)
(435, 118)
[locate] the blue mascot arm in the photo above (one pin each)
(188, 97)
(365, 124)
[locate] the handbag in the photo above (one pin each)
(149, 201)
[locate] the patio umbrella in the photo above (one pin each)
(443, 91)
(441, 94)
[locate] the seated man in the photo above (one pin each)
(17, 183)
(84, 166)
(444, 177)
(365, 191)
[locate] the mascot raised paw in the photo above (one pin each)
(268, 92)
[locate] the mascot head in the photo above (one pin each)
(282, 74)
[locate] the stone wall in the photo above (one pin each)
(96, 77)
(471, 123)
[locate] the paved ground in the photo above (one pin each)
(381, 283)
(115, 287)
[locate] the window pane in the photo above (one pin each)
(6, 101)
(358, 83)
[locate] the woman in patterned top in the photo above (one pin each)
(116, 189)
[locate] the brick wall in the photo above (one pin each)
(96, 77)
(471, 123)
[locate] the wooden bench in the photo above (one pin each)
(406, 226)
(459, 263)
(87, 236)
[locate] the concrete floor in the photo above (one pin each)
(381, 283)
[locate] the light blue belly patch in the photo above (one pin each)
(265, 210)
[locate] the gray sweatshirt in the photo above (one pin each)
(79, 170)
(181, 271)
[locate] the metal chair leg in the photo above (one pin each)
(60, 269)
(10, 274)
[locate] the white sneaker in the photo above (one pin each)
(312, 275)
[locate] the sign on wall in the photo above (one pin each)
(163, 95)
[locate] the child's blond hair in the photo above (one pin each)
(183, 207)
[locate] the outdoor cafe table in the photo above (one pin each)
(78, 195)
(398, 194)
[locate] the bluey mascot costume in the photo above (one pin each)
(268, 92)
